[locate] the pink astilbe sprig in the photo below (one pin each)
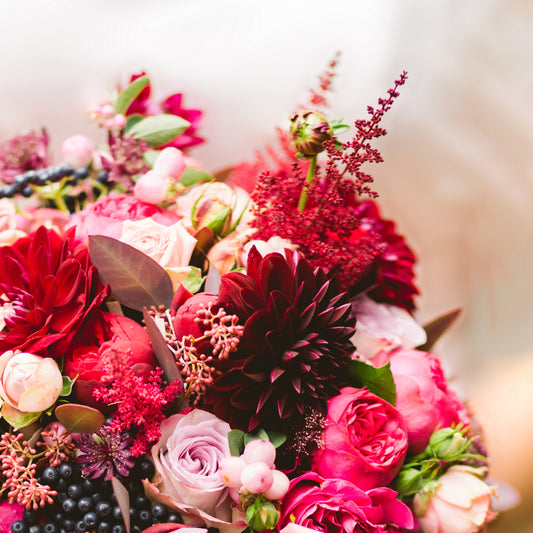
(317, 99)
(18, 469)
(141, 400)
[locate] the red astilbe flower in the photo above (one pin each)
(294, 348)
(48, 286)
(141, 401)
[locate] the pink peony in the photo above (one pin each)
(338, 506)
(9, 513)
(365, 440)
(187, 459)
(106, 215)
(461, 503)
(422, 395)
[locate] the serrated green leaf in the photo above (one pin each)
(150, 156)
(191, 176)
(78, 418)
(236, 442)
(377, 380)
(67, 386)
(136, 280)
(159, 129)
(127, 95)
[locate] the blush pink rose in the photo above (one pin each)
(338, 506)
(422, 395)
(364, 442)
(107, 214)
(461, 503)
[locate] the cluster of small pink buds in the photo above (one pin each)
(104, 115)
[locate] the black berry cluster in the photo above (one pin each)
(83, 505)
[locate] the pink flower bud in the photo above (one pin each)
(77, 150)
(279, 487)
(230, 470)
(151, 188)
(119, 121)
(262, 451)
(257, 477)
(170, 163)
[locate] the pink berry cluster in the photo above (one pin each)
(104, 115)
(254, 483)
(154, 186)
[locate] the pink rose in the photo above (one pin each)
(29, 383)
(106, 215)
(187, 459)
(151, 188)
(88, 360)
(365, 440)
(461, 503)
(9, 513)
(8, 213)
(77, 150)
(422, 395)
(338, 506)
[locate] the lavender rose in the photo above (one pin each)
(187, 458)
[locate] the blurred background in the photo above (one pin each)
(458, 170)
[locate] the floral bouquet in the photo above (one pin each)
(233, 352)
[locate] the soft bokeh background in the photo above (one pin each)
(458, 170)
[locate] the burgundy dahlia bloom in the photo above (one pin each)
(48, 286)
(294, 348)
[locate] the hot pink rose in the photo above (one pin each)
(106, 215)
(422, 395)
(9, 513)
(338, 506)
(365, 440)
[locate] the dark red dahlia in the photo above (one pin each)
(294, 348)
(48, 286)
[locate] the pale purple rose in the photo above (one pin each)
(187, 459)
(338, 506)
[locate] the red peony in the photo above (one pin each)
(49, 287)
(365, 440)
(338, 506)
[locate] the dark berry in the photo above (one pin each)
(85, 504)
(90, 519)
(119, 528)
(81, 173)
(57, 517)
(102, 177)
(87, 484)
(66, 471)
(174, 518)
(145, 516)
(69, 506)
(133, 514)
(30, 517)
(50, 475)
(8, 191)
(36, 528)
(97, 497)
(61, 497)
(136, 528)
(103, 509)
(80, 527)
(160, 512)
(50, 527)
(18, 526)
(61, 485)
(75, 491)
(141, 502)
(21, 180)
(117, 513)
(146, 469)
(27, 191)
(69, 524)
(104, 527)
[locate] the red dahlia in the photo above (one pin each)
(294, 348)
(47, 286)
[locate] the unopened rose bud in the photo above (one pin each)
(309, 130)
(170, 163)
(409, 481)
(151, 188)
(262, 517)
(448, 443)
(77, 150)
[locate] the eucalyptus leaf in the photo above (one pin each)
(236, 442)
(79, 418)
(377, 380)
(159, 129)
(127, 95)
(191, 176)
(136, 280)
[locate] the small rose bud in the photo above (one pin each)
(262, 451)
(257, 478)
(151, 188)
(170, 163)
(119, 121)
(262, 517)
(77, 150)
(279, 488)
(230, 471)
(309, 130)
(409, 481)
(447, 443)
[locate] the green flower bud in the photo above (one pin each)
(308, 131)
(448, 443)
(262, 516)
(409, 481)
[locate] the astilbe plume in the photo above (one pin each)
(141, 400)
(294, 348)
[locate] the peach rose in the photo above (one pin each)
(29, 383)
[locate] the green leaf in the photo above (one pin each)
(136, 280)
(236, 442)
(260, 434)
(67, 386)
(150, 156)
(338, 129)
(436, 328)
(277, 438)
(159, 129)
(192, 176)
(126, 96)
(78, 418)
(376, 380)
(18, 419)
(193, 280)
(131, 121)
(220, 221)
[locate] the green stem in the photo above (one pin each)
(309, 181)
